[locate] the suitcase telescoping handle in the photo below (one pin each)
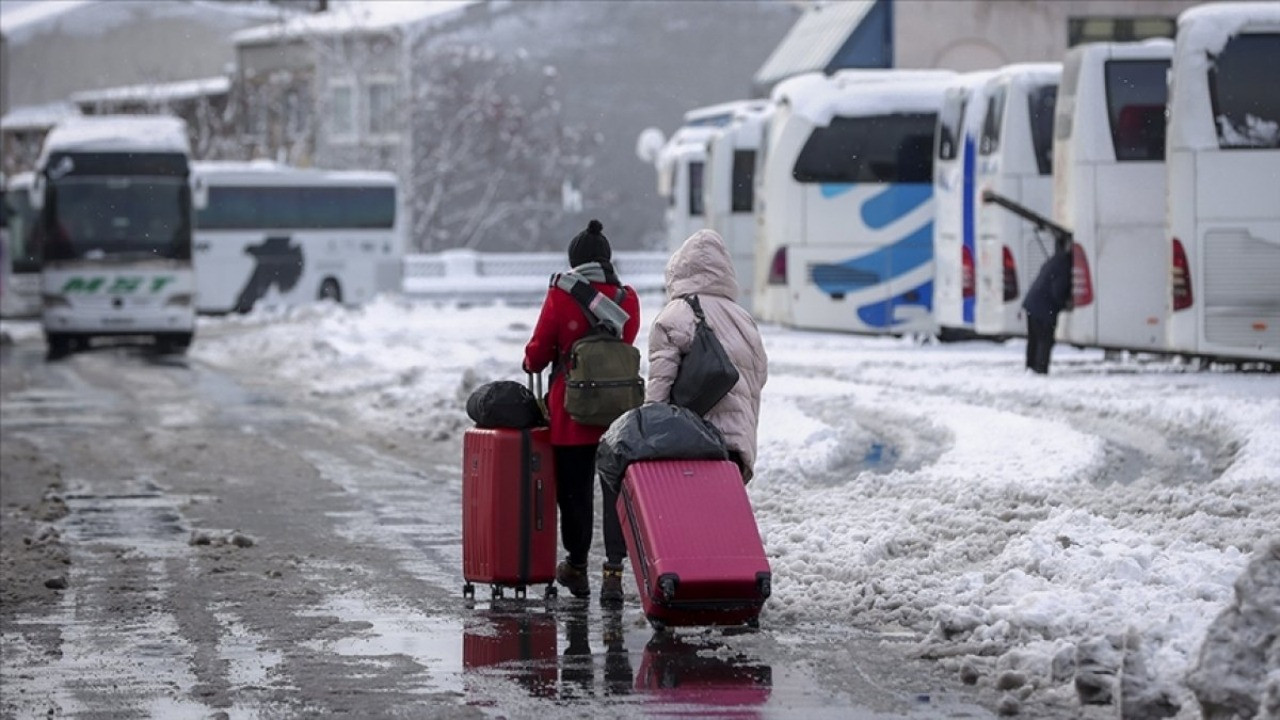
(535, 386)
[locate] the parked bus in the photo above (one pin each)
(681, 163)
(1224, 183)
(1015, 159)
(20, 282)
(282, 235)
(846, 239)
(114, 232)
(954, 160)
(729, 190)
(1109, 191)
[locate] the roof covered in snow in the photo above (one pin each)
(859, 93)
(37, 117)
(353, 17)
(156, 92)
(141, 133)
(814, 40)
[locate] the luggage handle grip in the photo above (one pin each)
(535, 386)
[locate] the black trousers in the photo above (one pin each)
(575, 496)
(1040, 331)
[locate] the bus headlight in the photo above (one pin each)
(55, 301)
(179, 300)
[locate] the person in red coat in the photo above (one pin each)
(561, 323)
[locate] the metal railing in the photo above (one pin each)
(470, 276)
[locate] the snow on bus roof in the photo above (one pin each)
(1029, 73)
(859, 93)
(1206, 28)
(141, 133)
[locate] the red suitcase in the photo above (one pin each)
(509, 530)
(521, 646)
(693, 542)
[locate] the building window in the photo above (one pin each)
(1118, 29)
(342, 111)
(380, 110)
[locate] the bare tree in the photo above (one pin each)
(494, 158)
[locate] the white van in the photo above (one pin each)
(1224, 182)
(954, 194)
(1015, 159)
(1109, 191)
(729, 190)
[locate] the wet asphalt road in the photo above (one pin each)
(240, 550)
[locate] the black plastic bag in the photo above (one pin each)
(505, 404)
(657, 431)
(706, 373)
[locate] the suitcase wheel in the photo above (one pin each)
(658, 625)
(469, 591)
(519, 592)
(551, 591)
(754, 623)
(496, 592)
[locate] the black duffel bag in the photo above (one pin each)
(505, 404)
(656, 431)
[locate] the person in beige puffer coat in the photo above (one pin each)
(702, 267)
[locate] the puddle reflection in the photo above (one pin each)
(573, 655)
(703, 673)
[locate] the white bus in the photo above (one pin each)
(846, 240)
(19, 264)
(1109, 191)
(954, 193)
(281, 235)
(681, 163)
(1015, 159)
(1224, 183)
(114, 232)
(729, 190)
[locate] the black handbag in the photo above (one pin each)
(706, 373)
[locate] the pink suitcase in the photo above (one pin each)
(693, 543)
(509, 529)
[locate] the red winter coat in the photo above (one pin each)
(561, 323)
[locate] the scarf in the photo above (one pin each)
(577, 282)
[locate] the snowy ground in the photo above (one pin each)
(1013, 524)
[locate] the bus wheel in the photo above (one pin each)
(173, 343)
(330, 290)
(59, 346)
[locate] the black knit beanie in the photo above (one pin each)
(590, 245)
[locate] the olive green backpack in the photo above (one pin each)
(602, 371)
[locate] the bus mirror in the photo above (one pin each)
(199, 193)
(36, 191)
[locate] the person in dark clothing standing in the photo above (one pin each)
(1047, 296)
(562, 322)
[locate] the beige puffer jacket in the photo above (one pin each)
(702, 267)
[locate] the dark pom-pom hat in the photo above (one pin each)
(590, 245)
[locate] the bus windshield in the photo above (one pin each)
(1136, 95)
(877, 149)
(1040, 107)
(1242, 83)
(91, 216)
(949, 127)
